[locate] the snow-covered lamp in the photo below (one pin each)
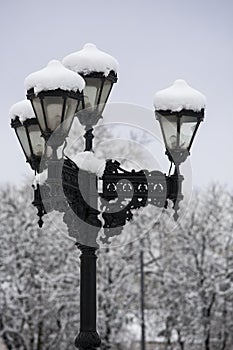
(28, 132)
(180, 110)
(99, 70)
(55, 93)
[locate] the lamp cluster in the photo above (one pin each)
(56, 94)
(80, 86)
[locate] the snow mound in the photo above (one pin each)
(40, 178)
(23, 110)
(90, 59)
(54, 76)
(88, 162)
(179, 96)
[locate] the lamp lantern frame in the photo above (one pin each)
(27, 145)
(180, 149)
(89, 113)
(47, 122)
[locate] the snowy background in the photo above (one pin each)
(188, 267)
(155, 42)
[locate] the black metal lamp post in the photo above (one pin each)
(57, 94)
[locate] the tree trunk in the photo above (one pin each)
(180, 341)
(40, 333)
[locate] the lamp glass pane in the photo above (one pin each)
(188, 126)
(39, 112)
(53, 109)
(21, 133)
(105, 94)
(71, 106)
(169, 126)
(92, 91)
(38, 143)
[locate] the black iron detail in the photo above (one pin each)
(37, 202)
(124, 191)
(87, 341)
(88, 138)
(177, 155)
(73, 191)
(174, 190)
(80, 190)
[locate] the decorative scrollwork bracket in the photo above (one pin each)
(73, 191)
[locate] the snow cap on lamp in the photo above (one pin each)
(179, 96)
(54, 76)
(91, 59)
(23, 110)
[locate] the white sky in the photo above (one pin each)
(155, 42)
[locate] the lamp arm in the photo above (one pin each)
(74, 192)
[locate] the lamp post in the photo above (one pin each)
(81, 87)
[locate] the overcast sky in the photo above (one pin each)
(155, 42)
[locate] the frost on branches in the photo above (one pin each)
(38, 294)
(192, 283)
(188, 274)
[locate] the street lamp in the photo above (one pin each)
(55, 93)
(179, 109)
(82, 88)
(99, 70)
(27, 130)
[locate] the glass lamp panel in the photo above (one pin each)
(36, 102)
(70, 109)
(187, 129)
(38, 143)
(22, 135)
(53, 106)
(92, 91)
(105, 94)
(169, 126)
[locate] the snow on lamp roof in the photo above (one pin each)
(90, 59)
(23, 110)
(179, 96)
(54, 76)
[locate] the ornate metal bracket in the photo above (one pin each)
(73, 191)
(124, 191)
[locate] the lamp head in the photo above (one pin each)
(27, 130)
(179, 110)
(99, 70)
(55, 93)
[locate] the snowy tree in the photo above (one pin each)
(192, 270)
(39, 275)
(39, 280)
